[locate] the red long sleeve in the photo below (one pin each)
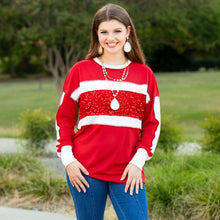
(151, 122)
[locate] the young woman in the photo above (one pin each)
(113, 98)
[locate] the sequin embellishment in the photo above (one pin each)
(98, 103)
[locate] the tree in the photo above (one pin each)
(189, 27)
(10, 22)
(57, 32)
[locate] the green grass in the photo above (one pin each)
(190, 96)
(183, 186)
(26, 176)
(16, 97)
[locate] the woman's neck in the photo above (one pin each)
(114, 60)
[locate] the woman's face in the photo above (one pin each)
(112, 36)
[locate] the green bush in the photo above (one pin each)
(37, 129)
(184, 187)
(171, 134)
(204, 202)
(23, 175)
(212, 133)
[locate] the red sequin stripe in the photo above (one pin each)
(98, 103)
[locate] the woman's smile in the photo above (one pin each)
(112, 45)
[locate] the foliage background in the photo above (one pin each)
(52, 35)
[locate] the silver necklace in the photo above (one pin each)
(114, 103)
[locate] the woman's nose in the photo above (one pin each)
(111, 36)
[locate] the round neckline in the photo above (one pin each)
(96, 59)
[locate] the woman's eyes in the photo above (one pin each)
(105, 32)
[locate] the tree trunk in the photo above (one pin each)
(59, 65)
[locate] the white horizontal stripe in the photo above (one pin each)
(118, 121)
(147, 98)
(87, 86)
(75, 95)
(111, 85)
(157, 116)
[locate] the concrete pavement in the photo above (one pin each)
(22, 214)
(12, 145)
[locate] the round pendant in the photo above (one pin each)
(114, 104)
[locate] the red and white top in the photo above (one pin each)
(107, 140)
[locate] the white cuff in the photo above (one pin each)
(67, 155)
(139, 158)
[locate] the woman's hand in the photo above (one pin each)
(134, 179)
(74, 170)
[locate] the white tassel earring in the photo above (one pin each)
(100, 50)
(127, 46)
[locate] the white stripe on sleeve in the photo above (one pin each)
(67, 155)
(157, 116)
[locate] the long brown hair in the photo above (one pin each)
(110, 12)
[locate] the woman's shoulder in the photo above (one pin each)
(82, 63)
(140, 67)
(82, 69)
(80, 66)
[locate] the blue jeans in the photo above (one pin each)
(91, 205)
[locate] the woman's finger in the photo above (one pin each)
(80, 184)
(83, 169)
(77, 187)
(133, 182)
(141, 184)
(84, 181)
(72, 182)
(137, 186)
(124, 173)
(128, 183)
